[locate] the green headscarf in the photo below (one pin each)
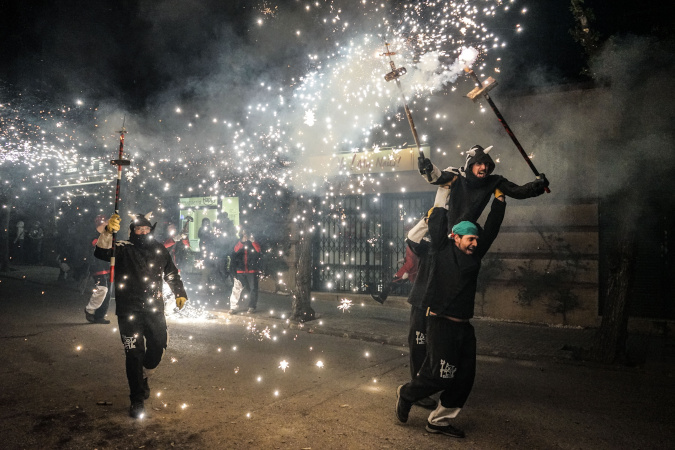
(465, 228)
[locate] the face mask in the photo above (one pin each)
(140, 240)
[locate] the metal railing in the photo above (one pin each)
(361, 241)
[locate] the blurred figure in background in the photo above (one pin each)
(99, 301)
(20, 243)
(245, 266)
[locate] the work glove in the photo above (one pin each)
(498, 193)
(541, 183)
(180, 302)
(113, 224)
(425, 166)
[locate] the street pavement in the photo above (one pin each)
(370, 321)
(260, 381)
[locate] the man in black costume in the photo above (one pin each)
(141, 264)
(450, 363)
(473, 185)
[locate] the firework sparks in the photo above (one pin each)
(345, 304)
(283, 365)
(341, 104)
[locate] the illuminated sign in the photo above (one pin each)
(373, 161)
(198, 202)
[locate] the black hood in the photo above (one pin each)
(140, 220)
(478, 154)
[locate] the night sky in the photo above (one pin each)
(132, 51)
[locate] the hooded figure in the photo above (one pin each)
(471, 192)
(140, 220)
(141, 266)
(19, 241)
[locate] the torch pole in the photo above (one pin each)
(501, 119)
(119, 162)
(410, 120)
(395, 74)
(412, 126)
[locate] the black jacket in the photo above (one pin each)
(470, 195)
(452, 283)
(139, 272)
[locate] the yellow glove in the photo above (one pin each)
(498, 193)
(113, 224)
(180, 302)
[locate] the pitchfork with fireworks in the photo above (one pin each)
(481, 90)
(395, 74)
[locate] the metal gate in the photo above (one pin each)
(361, 241)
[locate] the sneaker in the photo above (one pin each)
(251, 310)
(426, 403)
(146, 389)
(447, 430)
(402, 406)
(137, 410)
(102, 320)
(90, 317)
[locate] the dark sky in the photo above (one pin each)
(107, 48)
(132, 50)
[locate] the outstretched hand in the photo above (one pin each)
(180, 302)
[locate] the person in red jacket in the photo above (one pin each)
(177, 244)
(245, 266)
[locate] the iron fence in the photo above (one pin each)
(361, 241)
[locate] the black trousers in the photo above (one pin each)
(417, 339)
(145, 337)
(250, 283)
(449, 366)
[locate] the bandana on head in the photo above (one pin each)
(465, 228)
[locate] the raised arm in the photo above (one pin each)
(438, 228)
(103, 248)
(415, 240)
(492, 225)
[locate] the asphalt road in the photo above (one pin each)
(221, 385)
